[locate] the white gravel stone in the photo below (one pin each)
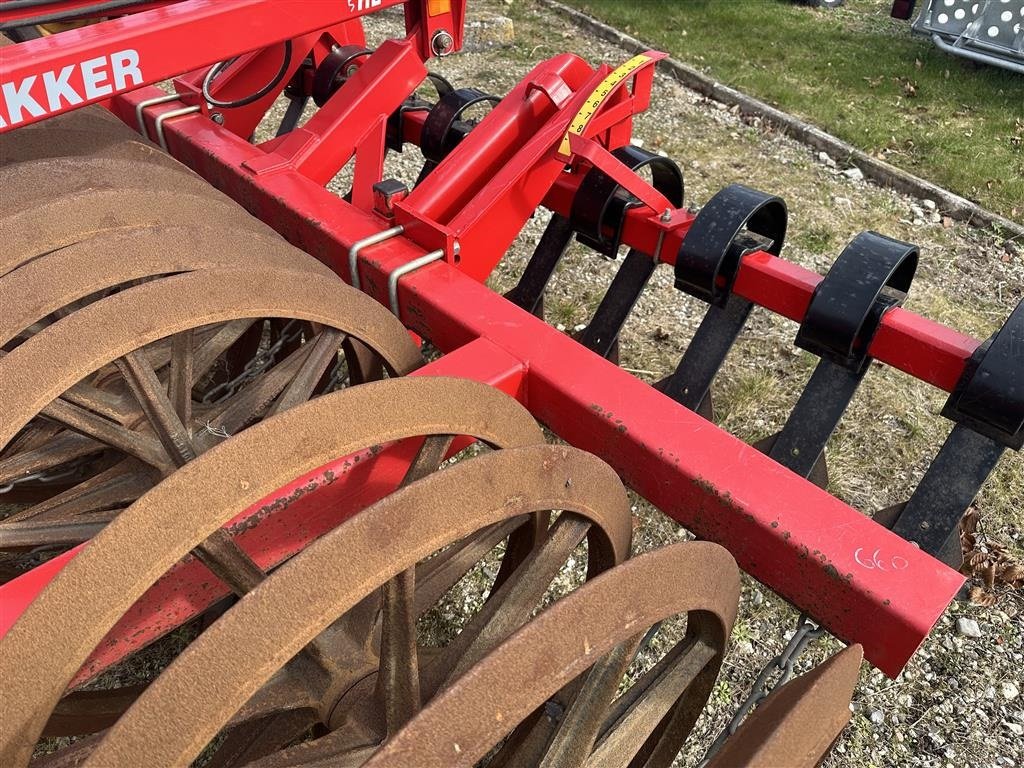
(854, 174)
(485, 30)
(877, 717)
(968, 627)
(824, 159)
(1010, 691)
(929, 205)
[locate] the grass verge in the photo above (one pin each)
(858, 74)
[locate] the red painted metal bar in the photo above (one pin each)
(808, 546)
(793, 536)
(98, 61)
(397, 65)
(77, 8)
(923, 348)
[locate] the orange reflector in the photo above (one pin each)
(437, 7)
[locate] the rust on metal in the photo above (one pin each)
(141, 422)
(174, 720)
(101, 583)
(55, 280)
(469, 718)
(106, 330)
(798, 723)
(53, 202)
(88, 132)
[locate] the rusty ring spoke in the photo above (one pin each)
(48, 283)
(161, 439)
(98, 586)
(467, 719)
(442, 508)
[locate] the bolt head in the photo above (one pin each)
(217, 117)
(442, 43)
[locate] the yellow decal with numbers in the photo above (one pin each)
(589, 109)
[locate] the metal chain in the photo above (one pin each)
(338, 374)
(806, 632)
(255, 367)
(44, 476)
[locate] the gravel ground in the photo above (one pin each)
(958, 701)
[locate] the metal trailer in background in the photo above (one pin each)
(986, 31)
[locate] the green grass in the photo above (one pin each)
(857, 74)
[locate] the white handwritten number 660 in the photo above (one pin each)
(895, 563)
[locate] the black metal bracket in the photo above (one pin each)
(602, 332)
(396, 120)
(871, 276)
(707, 262)
(444, 129)
(529, 291)
(736, 221)
(598, 212)
(987, 405)
(989, 397)
(332, 72)
(600, 205)
(297, 98)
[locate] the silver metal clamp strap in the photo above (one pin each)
(142, 106)
(366, 242)
(160, 119)
(405, 269)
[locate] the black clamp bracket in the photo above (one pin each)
(597, 216)
(444, 128)
(710, 254)
(987, 406)
(395, 137)
(736, 221)
(989, 397)
(334, 70)
(295, 92)
(600, 206)
(871, 276)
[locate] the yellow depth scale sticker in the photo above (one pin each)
(593, 103)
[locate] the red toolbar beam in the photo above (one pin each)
(51, 75)
(860, 580)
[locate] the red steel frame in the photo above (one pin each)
(862, 582)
